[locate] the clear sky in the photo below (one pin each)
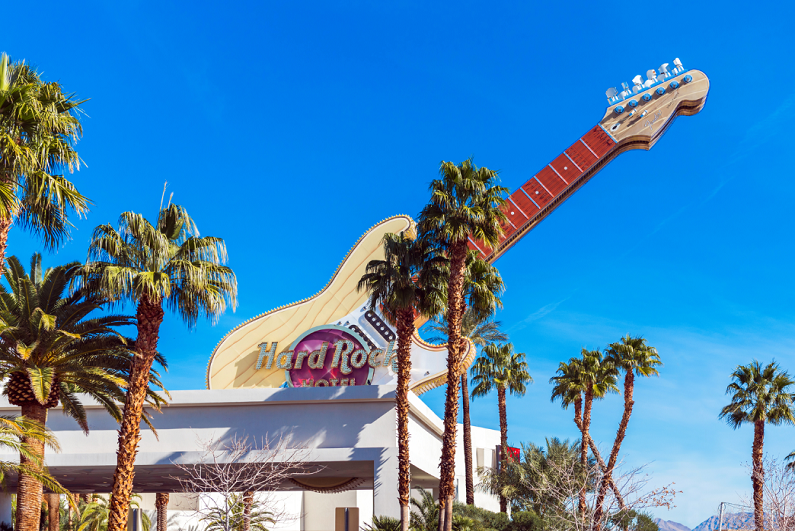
(289, 128)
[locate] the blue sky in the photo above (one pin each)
(259, 113)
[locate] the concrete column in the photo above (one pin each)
(5, 507)
(385, 484)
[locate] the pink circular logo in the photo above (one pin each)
(330, 357)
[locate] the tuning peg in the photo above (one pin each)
(664, 69)
(651, 75)
(678, 64)
(637, 80)
(611, 93)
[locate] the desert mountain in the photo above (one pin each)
(730, 521)
(669, 525)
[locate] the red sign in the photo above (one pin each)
(513, 453)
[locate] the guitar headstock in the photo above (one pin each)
(639, 114)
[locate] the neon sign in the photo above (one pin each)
(327, 356)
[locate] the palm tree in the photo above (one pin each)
(152, 265)
(464, 202)
(382, 523)
(39, 127)
(404, 283)
(53, 347)
(161, 507)
(569, 387)
(790, 459)
(591, 377)
(483, 281)
(759, 396)
(426, 517)
(95, 515)
(636, 358)
(500, 367)
(599, 379)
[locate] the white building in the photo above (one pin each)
(351, 431)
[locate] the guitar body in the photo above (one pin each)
(235, 359)
(332, 339)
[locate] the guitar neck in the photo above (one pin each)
(550, 187)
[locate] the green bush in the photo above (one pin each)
(483, 520)
(525, 521)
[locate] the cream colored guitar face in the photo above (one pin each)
(645, 122)
(234, 361)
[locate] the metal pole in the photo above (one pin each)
(720, 518)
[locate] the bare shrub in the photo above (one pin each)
(228, 469)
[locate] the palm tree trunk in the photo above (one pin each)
(758, 477)
(29, 489)
(149, 315)
(5, 228)
(405, 329)
(161, 504)
(503, 440)
(248, 502)
(470, 480)
(455, 290)
(53, 512)
(584, 443)
(607, 477)
(597, 455)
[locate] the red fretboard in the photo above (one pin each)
(542, 194)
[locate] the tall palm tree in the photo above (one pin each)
(465, 201)
(634, 357)
(52, 347)
(483, 281)
(152, 265)
(569, 387)
(598, 378)
(759, 396)
(405, 283)
(39, 127)
(480, 332)
(500, 367)
(790, 460)
(161, 507)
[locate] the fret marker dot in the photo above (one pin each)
(512, 213)
(565, 167)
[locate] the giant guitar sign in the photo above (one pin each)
(332, 339)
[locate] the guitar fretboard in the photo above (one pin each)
(542, 194)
